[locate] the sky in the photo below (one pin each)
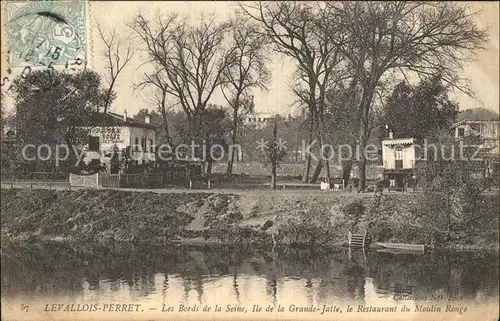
(483, 72)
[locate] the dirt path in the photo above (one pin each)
(291, 192)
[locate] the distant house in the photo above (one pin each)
(399, 157)
(122, 132)
(257, 120)
(489, 132)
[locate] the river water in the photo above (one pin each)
(52, 278)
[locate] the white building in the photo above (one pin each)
(121, 131)
(398, 155)
(257, 120)
(489, 132)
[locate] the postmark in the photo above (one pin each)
(45, 33)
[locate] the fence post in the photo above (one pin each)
(190, 184)
(50, 186)
(208, 184)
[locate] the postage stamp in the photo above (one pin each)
(45, 33)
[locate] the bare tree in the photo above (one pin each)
(115, 58)
(307, 33)
(422, 38)
(246, 71)
(158, 82)
(192, 58)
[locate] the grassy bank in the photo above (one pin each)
(107, 217)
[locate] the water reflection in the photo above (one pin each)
(235, 276)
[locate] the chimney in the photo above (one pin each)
(125, 115)
(391, 135)
(147, 119)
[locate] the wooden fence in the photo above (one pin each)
(36, 176)
(153, 180)
(84, 180)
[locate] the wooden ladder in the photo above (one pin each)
(356, 240)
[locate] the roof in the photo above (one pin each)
(398, 141)
(113, 119)
(465, 121)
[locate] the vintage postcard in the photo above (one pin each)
(274, 160)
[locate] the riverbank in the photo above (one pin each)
(108, 217)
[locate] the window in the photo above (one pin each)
(398, 158)
(136, 144)
(94, 143)
(399, 153)
(151, 147)
(143, 145)
(461, 132)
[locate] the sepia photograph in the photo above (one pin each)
(250, 160)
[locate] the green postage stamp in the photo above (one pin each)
(45, 33)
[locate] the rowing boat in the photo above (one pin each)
(398, 247)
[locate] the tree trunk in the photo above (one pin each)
(317, 171)
(307, 167)
(274, 155)
(273, 176)
(346, 172)
(230, 163)
(364, 134)
(209, 166)
(108, 95)
(362, 174)
(327, 171)
(307, 164)
(165, 118)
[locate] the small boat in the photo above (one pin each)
(398, 247)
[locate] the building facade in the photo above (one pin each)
(489, 132)
(399, 160)
(257, 120)
(122, 132)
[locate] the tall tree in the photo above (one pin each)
(342, 127)
(54, 107)
(160, 98)
(419, 111)
(192, 57)
(216, 126)
(307, 33)
(246, 71)
(116, 59)
(420, 38)
(157, 119)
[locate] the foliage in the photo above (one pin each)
(478, 114)
(273, 151)
(57, 107)
(453, 180)
(419, 111)
(246, 71)
(354, 210)
(379, 36)
(116, 162)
